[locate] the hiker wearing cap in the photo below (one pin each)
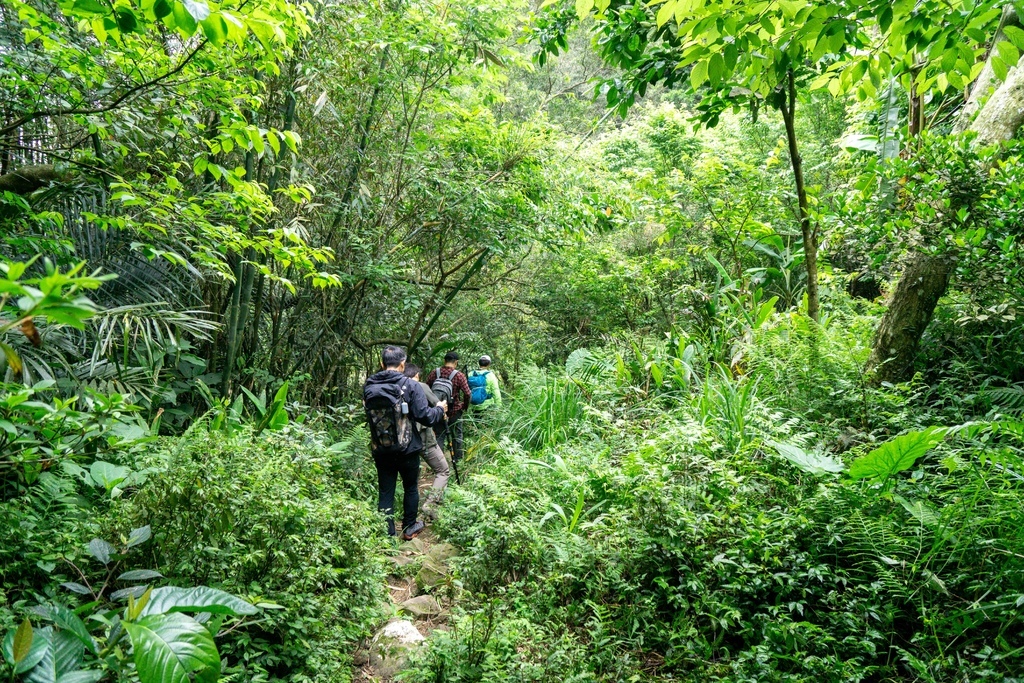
(448, 383)
(431, 452)
(483, 386)
(393, 403)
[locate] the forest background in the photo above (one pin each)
(751, 271)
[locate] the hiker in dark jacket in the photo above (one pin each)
(459, 402)
(393, 402)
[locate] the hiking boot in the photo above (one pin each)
(413, 530)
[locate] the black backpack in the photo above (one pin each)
(443, 387)
(387, 414)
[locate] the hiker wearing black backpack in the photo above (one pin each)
(432, 452)
(449, 384)
(393, 402)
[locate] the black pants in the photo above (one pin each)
(454, 425)
(389, 468)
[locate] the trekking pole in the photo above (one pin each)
(451, 449)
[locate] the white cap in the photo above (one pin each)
(485, 359)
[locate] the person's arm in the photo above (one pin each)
(419, 410)
(493, 388)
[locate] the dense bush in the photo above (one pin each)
(268, 517)
(647, 551)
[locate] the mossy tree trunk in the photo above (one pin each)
(911, 307)
(925, 278)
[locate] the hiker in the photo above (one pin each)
(448, 383)
(483, 386)
(432, 453)
(393, 402)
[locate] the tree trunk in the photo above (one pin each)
(986, 80)
(809, 236)
(911, 306)
(925, 278)
(1003, 114)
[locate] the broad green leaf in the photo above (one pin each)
(107, 475)
(89, 7)
(140, 575)
(897, 454)
(101, 550)
(70, 622)
(1015, 35)
(665, 12)
(813, 462)
(583, 7)
(170, 647)
(999, 67)
(37, 649)
(126, 20)
(197, 8)
(81, 676)
(216, 29)
(167, 599)
(1008, 52)
(699, 74)
(139, 536)
(716, 69)
(63, 655)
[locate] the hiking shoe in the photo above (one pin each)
(413, 530)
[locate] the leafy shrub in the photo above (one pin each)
(651, 551)
(267, 517)
(151, 637)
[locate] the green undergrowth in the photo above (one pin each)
(627, 528)
(280, 518)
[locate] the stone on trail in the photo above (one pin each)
(416, 545)
(422, 606)
(442, 552)
(390, 648)
(431, 574)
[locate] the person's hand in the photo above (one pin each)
(444, 406)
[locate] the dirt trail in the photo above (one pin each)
(420, 593)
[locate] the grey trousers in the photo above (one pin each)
(435, 458)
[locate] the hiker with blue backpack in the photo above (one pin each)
(393, 402)
(484, 390)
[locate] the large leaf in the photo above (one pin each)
(813, 462)
(140, 575)
(107, 475)
(139, 536)
(169, 647)
(169, 599)
(36, 650)
(101, 550)
(70, 622)
(896, 455)
(63, 654)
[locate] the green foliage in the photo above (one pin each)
(896, 455)
(653, 550)
(165, 644)
(267, 517)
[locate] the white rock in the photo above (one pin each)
(389, 651)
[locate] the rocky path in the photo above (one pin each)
(421, 593)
